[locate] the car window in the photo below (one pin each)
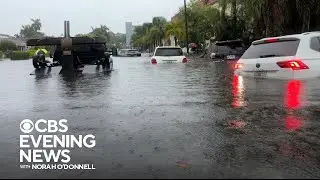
(229, 47)
(169, 52)
(315, 43)
(280, 48)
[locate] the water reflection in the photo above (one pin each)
(238, 92)
(293, 94)
(293, 101)
(293, 123)
(84, 85)
(42, 73)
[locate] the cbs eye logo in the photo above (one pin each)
(26, 126)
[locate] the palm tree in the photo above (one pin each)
(101, 32)
(154, 35)
(159, 23)
(36, 25)
(176, 30)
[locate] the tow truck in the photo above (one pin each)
(73, 53)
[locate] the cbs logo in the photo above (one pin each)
(51, 126)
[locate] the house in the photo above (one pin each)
(20, 43)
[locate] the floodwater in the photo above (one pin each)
(193, 120)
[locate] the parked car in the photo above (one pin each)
(129, 53)
(285, 57)
(230, 50)
(168, 54)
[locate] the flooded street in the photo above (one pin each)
(193, 120)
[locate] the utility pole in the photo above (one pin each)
(186, 21)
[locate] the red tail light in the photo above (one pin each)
(238, 66)
(293, 64)
(153, 61)
(184, 60)
(271, 40)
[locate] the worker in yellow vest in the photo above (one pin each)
(41, 53)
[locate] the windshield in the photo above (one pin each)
(275, 49)
(169, 52)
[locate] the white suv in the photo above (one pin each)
(286, 57)
(168, 54)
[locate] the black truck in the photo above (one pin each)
(85, 51)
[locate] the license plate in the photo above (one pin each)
(231, 57)
(260, 74)
(170, 61)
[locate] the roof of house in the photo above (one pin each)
(17, 41)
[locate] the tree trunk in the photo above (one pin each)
(175, 41)
(269, 13)
(223, 11)
(234, 17)
(306, 22)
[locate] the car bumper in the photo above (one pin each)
(169, 62)
(284, 75)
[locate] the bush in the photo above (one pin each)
(1, 54)
(7, 45)
(19, 55)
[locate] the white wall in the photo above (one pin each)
(172, 41)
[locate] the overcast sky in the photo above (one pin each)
(82, 14)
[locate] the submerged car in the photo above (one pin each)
(129, 53)
(285, 57)
(230, 50)
(168, 54)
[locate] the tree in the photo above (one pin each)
(148, 35)
(31, 30)
(175, 29)
(117, 40)
(249, 20)
(305, 9)
(100, 32)
(80, 35)
(159, 23)
(7, 46)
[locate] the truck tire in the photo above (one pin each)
(106, 62)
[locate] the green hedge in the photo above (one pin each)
(19, 55)
(22, 55)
